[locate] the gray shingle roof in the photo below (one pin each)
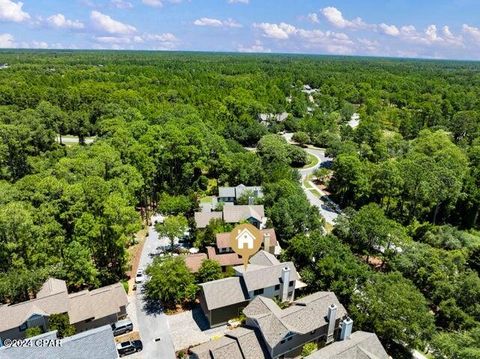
(240, 343)
(95, 343)
(202, 219)
(236, 214)
(303, 316)
(226, 192)
(223, 292)
(264, 259)
(360, 345)
(257, 277)
(53, 298)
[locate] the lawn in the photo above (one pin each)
(312, 161)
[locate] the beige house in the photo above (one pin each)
(86, 309)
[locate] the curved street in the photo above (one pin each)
(327, 208)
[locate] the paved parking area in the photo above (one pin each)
(191, 328)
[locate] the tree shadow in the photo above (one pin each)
(151, 306)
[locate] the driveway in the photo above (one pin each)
(191, 328)
(149, 318)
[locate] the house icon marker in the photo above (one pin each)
(245, 239)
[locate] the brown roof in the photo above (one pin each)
(194, 261)
(225, 259)
(223, 239)
(202, 219)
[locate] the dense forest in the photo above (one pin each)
(168, 128)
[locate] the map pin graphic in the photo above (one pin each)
(245, 240)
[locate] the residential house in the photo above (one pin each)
(86, 309)
(233, 194)
(91, 344)
(314, 318)
(240, 343)
(224, 299)
(360, 345)
(254, 214)
(267, 118)
(225, 255)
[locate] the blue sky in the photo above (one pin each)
(399, 28)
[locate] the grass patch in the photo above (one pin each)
(207, 199)
(328, 227)
(311, 161)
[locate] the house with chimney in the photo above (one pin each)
(271, 332)
(224, 299)
(86, 309)
(233, 214)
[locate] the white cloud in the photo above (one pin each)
(105, 23)
(165, 41)
(121, 4)
(472, 31)
(238, 1)
(166, 37)
(313, 17)
(256, 47)
(59, 21)
(206, 21)
(38, 45)
(6, 41)
(335, 17)
(12, 11)
(391, 30)
(280, 31)
(159, 3)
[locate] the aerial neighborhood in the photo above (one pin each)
(196, 205)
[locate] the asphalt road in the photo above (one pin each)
(323, 203)
(150, 319)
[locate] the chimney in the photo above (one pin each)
(332, 318)
(285, 282)
(347, 325)
(266, 242)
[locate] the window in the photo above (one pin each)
(291, 283)
(290, 294)
(23, 327)
(283, 341)
(290, 338)
(89, 320)
(258, 292)
(313, 331)
(277, 287)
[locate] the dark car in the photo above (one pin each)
(129, 347)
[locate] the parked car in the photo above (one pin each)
(129, 347)
(122, 327)
(140, 277)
